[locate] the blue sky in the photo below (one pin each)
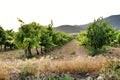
(73, 12)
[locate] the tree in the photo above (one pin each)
(50, 28)
(38, 29)
(34, 35)
(2, 37)
(28, 37)
(46, 40)
(9, 39)
(100, 33)
(50, 38)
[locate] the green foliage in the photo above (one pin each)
(9, 39)
(112, 71)
(60, 38)
(34, 35)
(62, 77)
(89, 78)
(23, 75)
(52, 77)
(2, 36)
(50, 38)
(92, 52)
(67, 77)
(117, 39)
(100, 33)
(46, 40)
(82, 38)
(28, 37)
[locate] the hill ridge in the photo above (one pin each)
(70, 29)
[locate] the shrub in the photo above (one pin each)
(100, 33)
(112, 71)
(82, 38)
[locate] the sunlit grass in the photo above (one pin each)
(45, 65)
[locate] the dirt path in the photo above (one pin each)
(71, 49)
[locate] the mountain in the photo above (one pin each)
(75, 29)
(114, 20)
(70, 29)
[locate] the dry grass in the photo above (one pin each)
(13, 54)
(33, 66)
(7, 67)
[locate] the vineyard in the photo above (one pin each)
(37, 52)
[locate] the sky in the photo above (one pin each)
(68, 12)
